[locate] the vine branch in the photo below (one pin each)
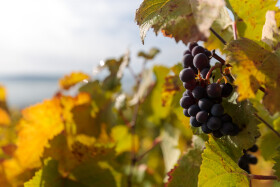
(267, 124)
(263, 177)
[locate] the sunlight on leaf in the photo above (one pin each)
(71, 80)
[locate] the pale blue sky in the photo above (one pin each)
(59, 36)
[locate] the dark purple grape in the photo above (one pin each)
(199, 92)
(217, 100)
(187, 52)
(194, 122)
(217, 134)
(204, 72)
(205, 104)
(226, 89)
(186, 102)
(192, 45)
(187, 75)
(205, 129)
(185, 111)
(226, 128)
(197, 49)
(194, 69)
(214, 90)
(202, 117)
(188, 93)
(200, 61)
(214, 123)
(235, 130)
(193, 110)
(190, 85)
(252, 159)
(243, 163)
(187, 61)
(217, 110)
(253, 149)
(226, 118)
(208, 53)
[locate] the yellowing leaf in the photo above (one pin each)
(39, 124)
(5, 119)
(218, 168)
(71, 80)
(255, 67)
(182, 19)
(250, 16)
(2, 94)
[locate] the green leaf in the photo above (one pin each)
(150, 55)
(48, 176)
(182, 19)
(250, 16)
(187, 170)
(268, 145)
(218, 168)
(276, 166)
(254, 67)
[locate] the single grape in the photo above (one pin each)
(186, 102)
(205, 129)
(187, 52)
(187, 75)
(202, 116)
(243, 164)
(200, 61)
(214, 90)
(252, 159)
(204, 72)
(226, 128)
(226, 89)
(187, 60)
(194, 122)
(197, 49)
(192, 45)
(226, 118)
(205, 104)
(214, 123)
(253, 149)
(188, 93)
(199, 92)
(235, 130)
(190, 85)
(217, 110)
(217, 134)
(185, 111)
(208, 53)
(193, 110)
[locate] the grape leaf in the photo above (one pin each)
(242, 113)
(5, 119)
(271, 33)
(218, 168)
(250, 16)
(150, 55)
(223, 26)
(254, 67)
(276, 166)
(268, 145)
(48, 176)
(71, 80)
(187, 169)
(182, 19)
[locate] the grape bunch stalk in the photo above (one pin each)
(202, 100)
(247, 159)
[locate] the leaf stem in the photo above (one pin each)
(263, 177)
(267, 124)
(218, 36)
(234, 30)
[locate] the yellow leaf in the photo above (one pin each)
(5, 119)
(2, 94)
(254, 67)
(71, 80)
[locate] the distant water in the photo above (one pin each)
(23, 91)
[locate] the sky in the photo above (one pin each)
(60, 36)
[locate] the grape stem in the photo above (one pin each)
(217, 57)
(267, 124)
(263, 177)
(218, 65)
(218, 36)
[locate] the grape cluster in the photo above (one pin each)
(201, 100)
(247, 159)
